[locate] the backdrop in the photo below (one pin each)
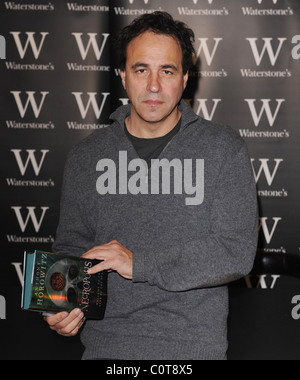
(60, 81)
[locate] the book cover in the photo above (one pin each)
(55, 283)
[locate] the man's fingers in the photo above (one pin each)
(104, 265)
(71, 324)
(99, 253)
(113, 256)
(55, 319)
(66, 324)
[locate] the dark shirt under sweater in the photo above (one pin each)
(151, 148)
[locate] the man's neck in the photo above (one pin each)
(138, 127)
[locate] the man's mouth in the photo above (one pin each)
(153, 102)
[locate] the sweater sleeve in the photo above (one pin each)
(226, 252)
(74, 236)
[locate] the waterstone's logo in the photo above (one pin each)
(265, 173)
(90, 42)
(132, 11)
(206, 53)
(18, 6)
(188, 177)
(265, 113)
(30, 103)
(260, 1)
(29, 161)
(74, 7)
(31, 41)
(209, 1)
(2, 48)
(32, 218)
(132, 1)
(267, 51)
(32, 45)
(186, 10)
(275, 10)
(89, 105)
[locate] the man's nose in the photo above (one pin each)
(153, 83)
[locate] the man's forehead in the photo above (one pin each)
(148, 38)
(150, 46)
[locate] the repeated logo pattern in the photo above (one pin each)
(59, 83)
(259, 62)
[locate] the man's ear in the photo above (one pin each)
(185, 79)
(123, 77)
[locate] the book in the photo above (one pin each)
(55, 283)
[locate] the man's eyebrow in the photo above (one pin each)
(142, 64)
(139, 64)
(169, 66)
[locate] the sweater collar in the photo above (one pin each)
(188, 115)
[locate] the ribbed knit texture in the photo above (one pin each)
(176, 306)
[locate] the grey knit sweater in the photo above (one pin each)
(184, 255)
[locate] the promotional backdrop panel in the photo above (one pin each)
(61, 80)
(54, 91)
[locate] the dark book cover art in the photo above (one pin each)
(54, 283)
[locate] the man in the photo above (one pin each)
(170, 250)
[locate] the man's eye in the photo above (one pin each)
(168, 72)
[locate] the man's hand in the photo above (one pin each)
(115, 257)
(66, 324)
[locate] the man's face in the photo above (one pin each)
(153, 77)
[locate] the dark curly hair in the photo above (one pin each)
(159, 23)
